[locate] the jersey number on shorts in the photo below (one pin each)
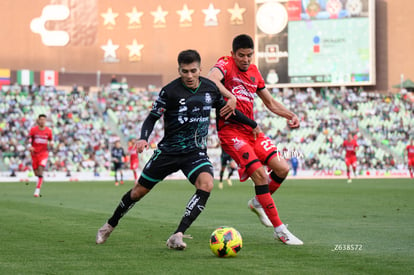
(267, 144)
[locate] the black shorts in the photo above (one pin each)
(225, 159)
(117, 166)
(161, 165)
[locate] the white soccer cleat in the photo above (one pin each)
(37, 193)
(229, 183)
(259, 211)
(175, 241)
(285, 236)
(103, 233)
(349, 181)
(220, 185)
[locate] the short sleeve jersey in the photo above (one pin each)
(350, 148)
(410, 151)
(118, 153)
(40, 139)
(186, 115)
(243, 85)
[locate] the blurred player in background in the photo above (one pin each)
(118, 155)
(226, 160)
(409, 151)
(236, 77)
(350, 146)
(185, 104)
(133, 158)
(39, 138)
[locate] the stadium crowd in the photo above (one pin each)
(83, 136)
(81, 139)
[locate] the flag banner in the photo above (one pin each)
(49, 78)
(4, 77)
(25, 77)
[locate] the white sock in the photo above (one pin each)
(280, 228)
(256, 203)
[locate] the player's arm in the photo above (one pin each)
(51, 143)
(240, 117)
(277, 108)
(30, 142)
(146, 131)
(217, 76)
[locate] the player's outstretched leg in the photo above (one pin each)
(126, 203)
(274, 184)
(269, 207)
(193, 209)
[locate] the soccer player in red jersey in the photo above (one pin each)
(350, 146)
(133, 157)
(237, 78)
(409, 150)
(39, 137)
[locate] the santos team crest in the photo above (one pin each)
(208, 98)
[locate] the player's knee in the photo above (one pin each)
(283, 171)
(259, 176)
(204, 182)
(138, 191)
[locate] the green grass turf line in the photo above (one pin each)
(55, 234)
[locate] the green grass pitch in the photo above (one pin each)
(366, 227)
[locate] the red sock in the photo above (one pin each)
(39, 182)
(135, 174)
(273, 186)
(274, 182)
(411, 173)
(270, 208)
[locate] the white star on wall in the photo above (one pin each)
(236, 14)
(185, 14)
(159, 15)
(109, 17)
(110, 49)
(211, 15)
(135, 49)
(134, 16)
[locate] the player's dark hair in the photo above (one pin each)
(242, 41)
(42, 115)
(188, 57)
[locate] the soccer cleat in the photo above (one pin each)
(103, 233)
(122, 182)
(116, 183)
(36, 193)
(287, 237)
(220, 185)
(175, 241)
(349, 181)
(258, 210)
(229, 183)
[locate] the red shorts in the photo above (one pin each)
(351, 161)
(249, 154)
(134, 165)
(39, 160)
(411, 162)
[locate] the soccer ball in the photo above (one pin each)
(225, 241)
